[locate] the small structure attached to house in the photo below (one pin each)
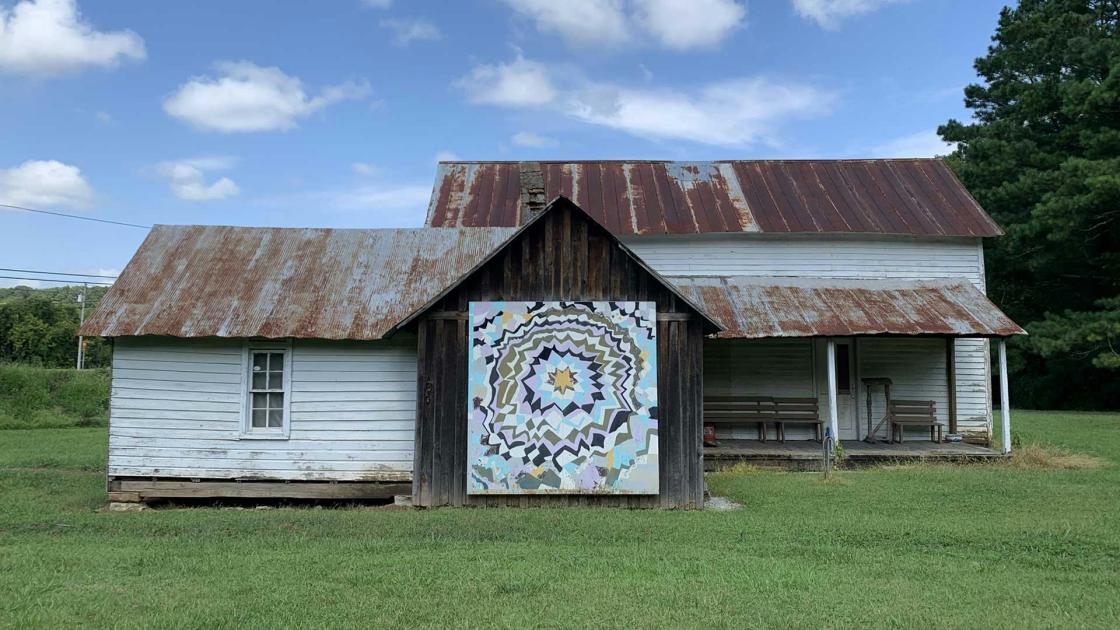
(601, 349)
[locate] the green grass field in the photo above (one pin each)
(930, 546)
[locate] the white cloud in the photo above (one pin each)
(105, 118)
(920, 144)
(408, 30)
(676, 24)
(447, 156)
(248, 97)
(6, 283)
(530, 139)
(579, 22)
(40, 184)
(377, 4)
(733, 112)
(382, 197)
(828, 14)
(519, 83)
(365, 168)
(48, 37)
(187, 178)
(684, 24)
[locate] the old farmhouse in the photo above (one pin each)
(559, 333)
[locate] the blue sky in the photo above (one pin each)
(334, 113)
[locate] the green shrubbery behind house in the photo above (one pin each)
(36, 397)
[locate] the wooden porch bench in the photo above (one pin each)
(797, 411)
(740, 410)
(914, 413)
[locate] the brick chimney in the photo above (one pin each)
(532, 189)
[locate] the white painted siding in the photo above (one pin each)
(176, 412)
(765, 367)
(916, 368)
(843, 256)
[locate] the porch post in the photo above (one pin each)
(1004, 398)
(830, 359)
(951, 378)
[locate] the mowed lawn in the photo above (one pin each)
(929, 546)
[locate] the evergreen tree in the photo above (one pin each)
(1042, 155)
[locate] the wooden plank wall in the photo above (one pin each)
(852, 256)
(176, 412)
(560, 257)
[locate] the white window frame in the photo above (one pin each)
(248, 432)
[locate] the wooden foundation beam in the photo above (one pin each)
(138, 490)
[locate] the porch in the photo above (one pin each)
(881, 364)
(806, 455)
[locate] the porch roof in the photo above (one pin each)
(751, 307)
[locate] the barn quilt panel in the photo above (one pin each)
(562, 398)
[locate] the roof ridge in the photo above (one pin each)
(716, 161)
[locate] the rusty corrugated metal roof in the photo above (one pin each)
(217, 281)
(755, 307)
(898, 196)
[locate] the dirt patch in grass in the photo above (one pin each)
(831, 480)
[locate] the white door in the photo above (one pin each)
(846, 408)
(847, 412)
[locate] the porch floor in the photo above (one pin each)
(806, 454)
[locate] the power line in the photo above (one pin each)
(75, 216)
(59, 273)
(60, 280)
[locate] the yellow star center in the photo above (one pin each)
(563, 380)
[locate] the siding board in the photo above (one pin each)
(176, 411)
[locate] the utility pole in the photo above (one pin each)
(81, 320)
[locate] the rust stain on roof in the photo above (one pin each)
(217, 281)
(757, 307)
(909, 196)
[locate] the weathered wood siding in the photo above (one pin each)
(560, 257)
(916, 368)
(764, 367)
(843, 256)
(176, 412)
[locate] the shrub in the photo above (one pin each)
(35, 397)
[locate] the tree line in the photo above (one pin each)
(1042, 156)
(40, 327)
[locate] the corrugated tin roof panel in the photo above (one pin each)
(910, 196)
(754, 308)
(217, 281)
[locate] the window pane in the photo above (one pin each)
(266, 395)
